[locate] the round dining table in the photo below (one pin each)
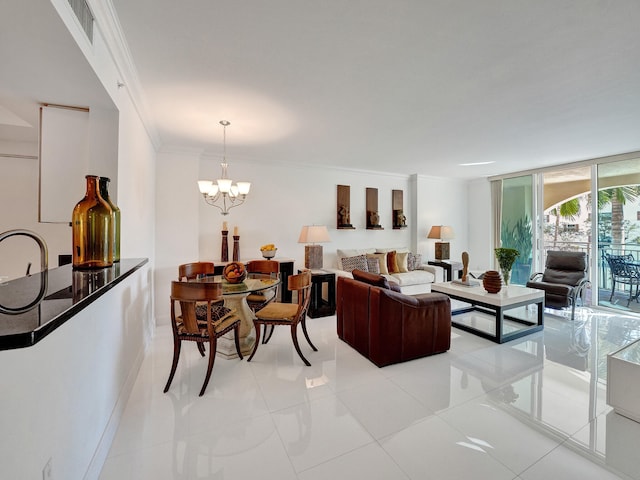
(235, 298)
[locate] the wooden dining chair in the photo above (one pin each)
(268, 269)
(187, 327)
(290, 314)
(191, 271)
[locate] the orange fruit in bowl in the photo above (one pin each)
(234, 272)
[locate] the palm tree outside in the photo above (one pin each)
(618, 197)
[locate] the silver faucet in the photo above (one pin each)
(44, 253)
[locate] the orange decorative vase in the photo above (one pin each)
(491, 281)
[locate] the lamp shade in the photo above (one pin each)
(441, 232)
(314, 234)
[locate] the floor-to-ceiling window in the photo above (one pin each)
(577, 209)
(618, 236)
(516, 230)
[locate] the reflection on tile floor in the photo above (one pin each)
(533, 408)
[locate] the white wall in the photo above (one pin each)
(19, 200)
(176, 222)
(283, 198)
(442, 201)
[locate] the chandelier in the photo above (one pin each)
(222, 193)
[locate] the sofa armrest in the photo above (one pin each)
(438, 272)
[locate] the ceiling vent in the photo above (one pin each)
(82, 11)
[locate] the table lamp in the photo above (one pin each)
(441, 232)
(313, 253)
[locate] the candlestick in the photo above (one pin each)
(236, 247)
(224, 255)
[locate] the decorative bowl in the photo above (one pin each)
(235, 272)
(269, 253)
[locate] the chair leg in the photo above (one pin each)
(613, 289)
(294, 337)
(212, 358)
(306, 335)
(177, 344)
(265, 337)
(200, 348)
(236, 337)
(255, 345)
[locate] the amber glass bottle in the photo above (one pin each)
(92, 229)
(104, 193)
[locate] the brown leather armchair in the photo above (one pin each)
(563, 280)
(390, 327)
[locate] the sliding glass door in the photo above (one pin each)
(516, 230)
(592, 207)
(619, 233)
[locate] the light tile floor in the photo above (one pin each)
(534, 408)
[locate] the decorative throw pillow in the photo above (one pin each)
(373, 265)
(351, 263)
(418, 261)
(402, 261)
(217, 312)
(392, 266)
(414, 261)
(410, 261)
(382, 262)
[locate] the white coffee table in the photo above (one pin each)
(510, 297)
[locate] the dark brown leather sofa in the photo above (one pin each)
(387, 326)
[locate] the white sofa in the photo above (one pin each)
(411, 281)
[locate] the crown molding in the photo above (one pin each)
(106, 20)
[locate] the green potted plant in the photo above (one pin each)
(506, 257)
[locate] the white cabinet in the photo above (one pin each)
(623, 381)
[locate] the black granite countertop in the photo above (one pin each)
(32, 307)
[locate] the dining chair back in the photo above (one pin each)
(624, 270)
(191, 271)
(263, 269)
(290, 314)
(187, 326)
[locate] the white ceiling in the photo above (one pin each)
(407, 86)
